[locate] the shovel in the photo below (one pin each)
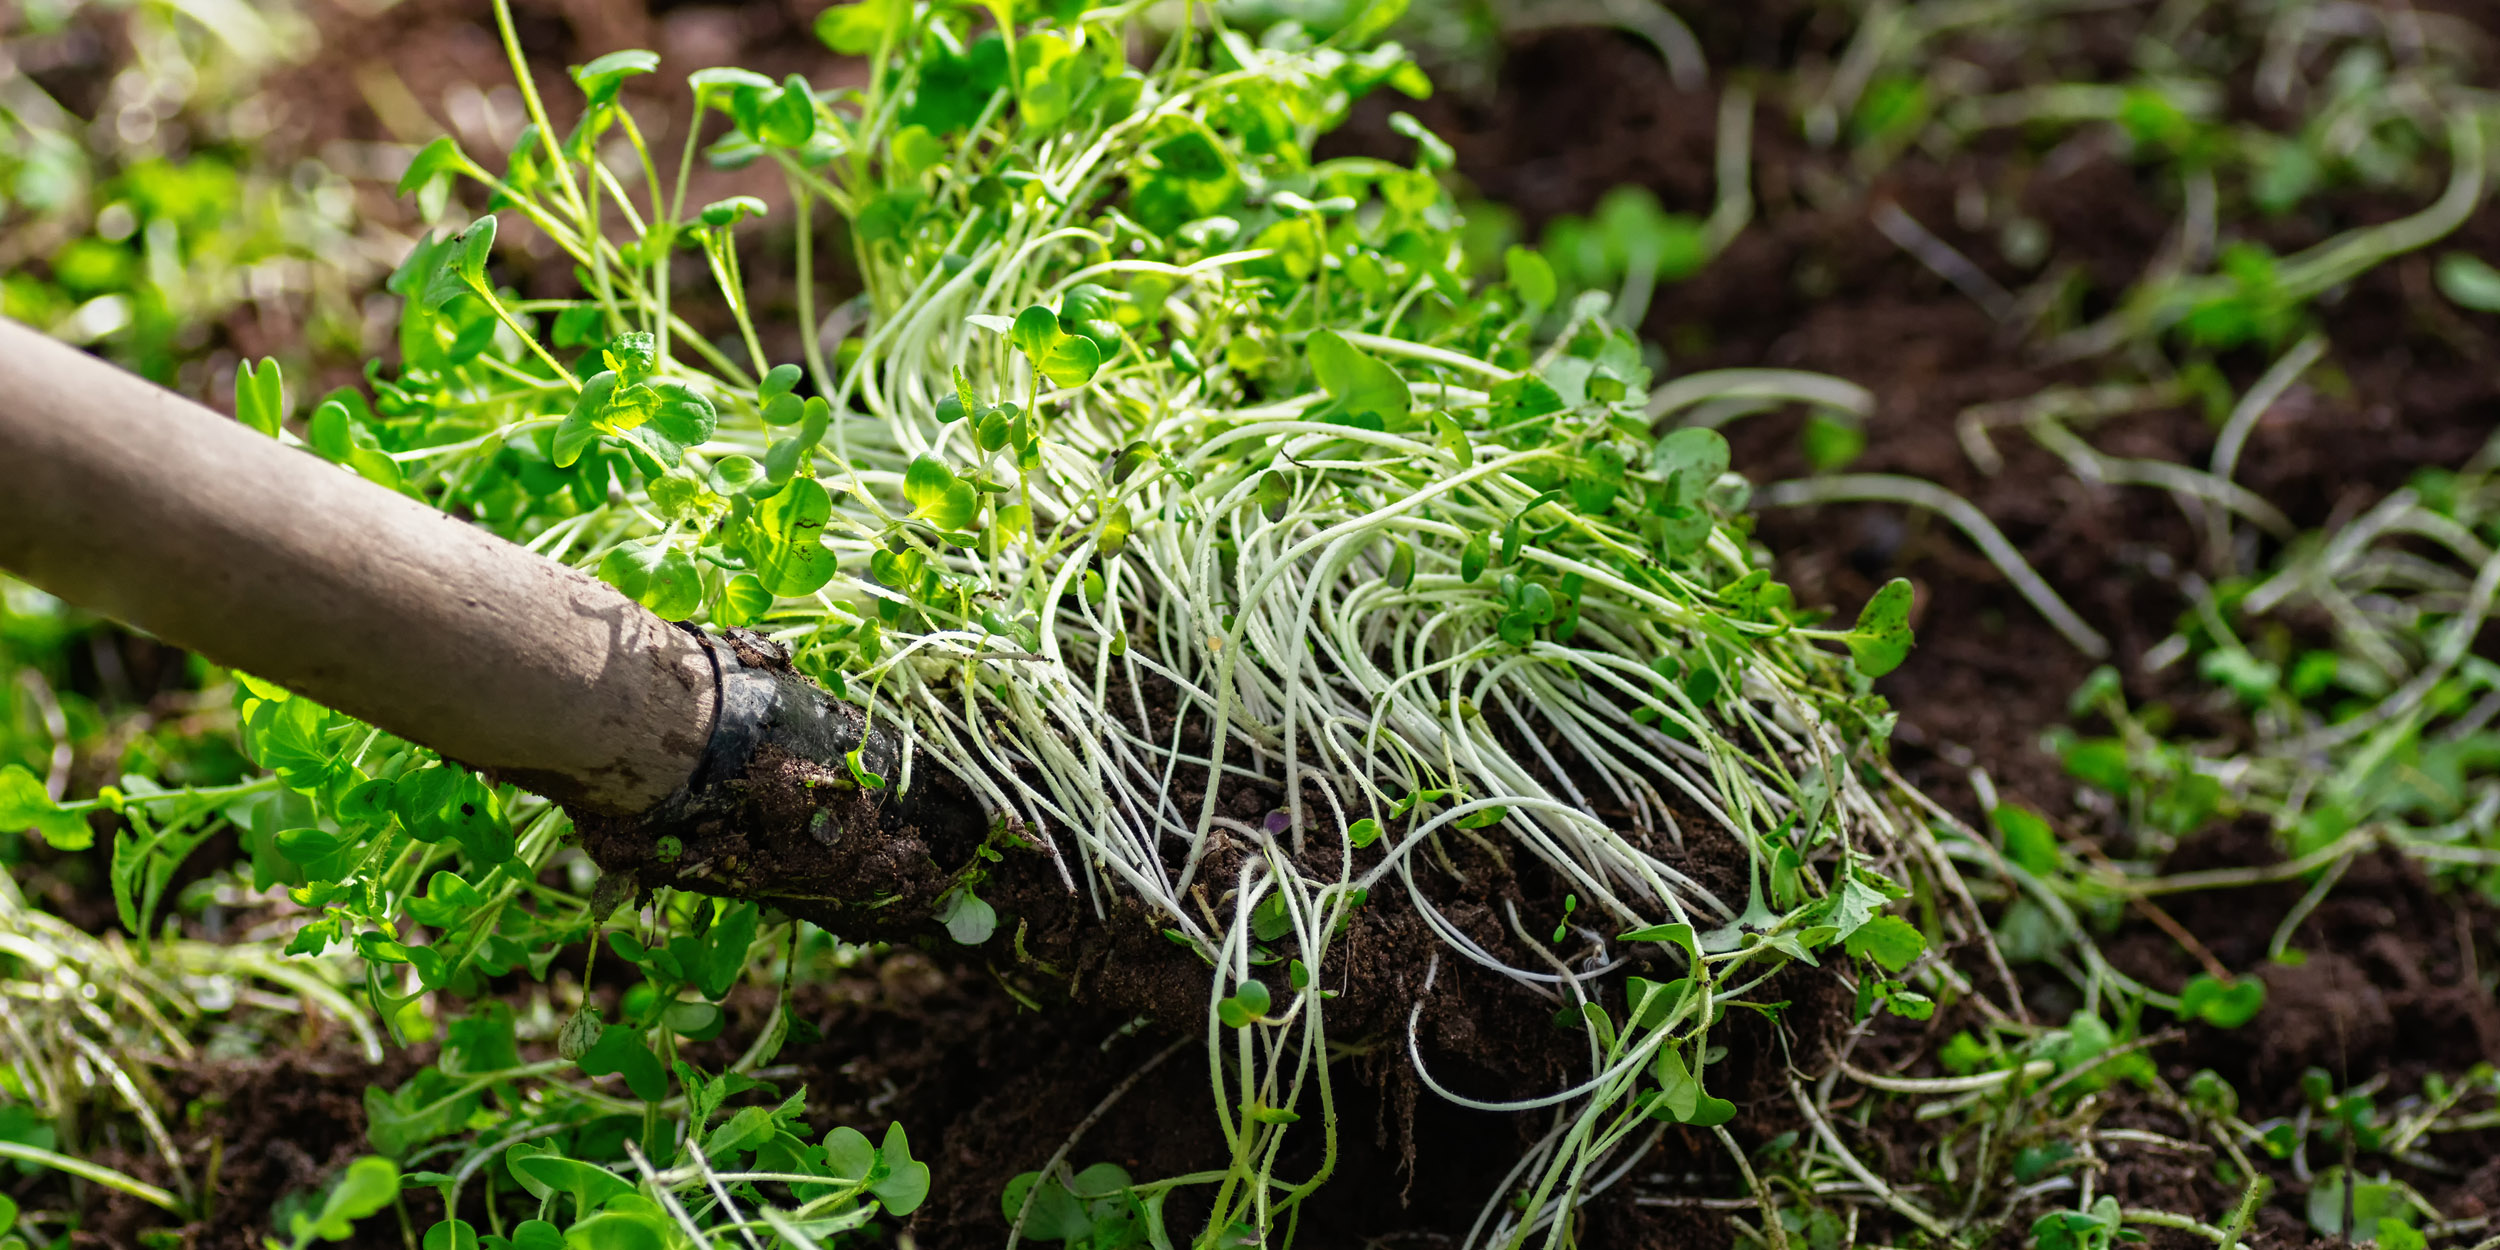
(136, 503)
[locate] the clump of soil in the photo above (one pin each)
(1113, 987)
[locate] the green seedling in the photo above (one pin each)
(2098, 1228)
(2224, 1004)
(365, 1187)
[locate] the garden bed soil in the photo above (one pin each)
(2398, 981)
(989, 1089)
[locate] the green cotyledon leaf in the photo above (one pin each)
(926, 482)
(1359, 383)
(600, 79)
(663, 418)
(2224, 1004)
(1530, 276)
(790, 116)
(580, 427)
(474, 246)
(1882, 637)
(856, 29)
(260, 396)
(439, 159)
(785, 541)
(938, 496)
(1065, 359)
(659, 576)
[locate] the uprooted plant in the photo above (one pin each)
(1206, 556)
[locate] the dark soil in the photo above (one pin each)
(2398, 976)
(264, 1129)
(2397, 979)
(2394, 983)
(805, 839)
(1814, 285)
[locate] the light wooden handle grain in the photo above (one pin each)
(138, 504)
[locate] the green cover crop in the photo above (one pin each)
(1143, 400)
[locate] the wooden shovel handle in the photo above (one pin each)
(138, 504)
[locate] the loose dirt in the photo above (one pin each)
(2398, 982)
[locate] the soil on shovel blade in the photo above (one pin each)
(989, 1088)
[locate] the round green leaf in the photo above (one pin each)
(682, 413)
(926, 482)
(451, 1235)
(737, 475)
(1401, 565)
(1035, 331)
(693, 1019)
(785, 545)
(1693, 458)
(1530, 275)
(1072, 361)
(581, 427)
(438, 159)
(1051, 1214)
(599, 79)
(790, 116)
(2029, 841)
(1882, 637)
(617, 1230)
(368, 1185)
(2224, 1004)
(1252, 994)
(1359, 383)
(661, 578)
(622, 1051)
(743, 602)
(1709, 1112)
(849, 1154)
(905, 1184)
(1888, 940)
(857, 28)
(721, 214)
(968, 920)
(1274, 494)
(1831, 443)
(721, 80)
(784, 458)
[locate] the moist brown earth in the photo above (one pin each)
(2395, 981)
(798, 836)
(252, 1131)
